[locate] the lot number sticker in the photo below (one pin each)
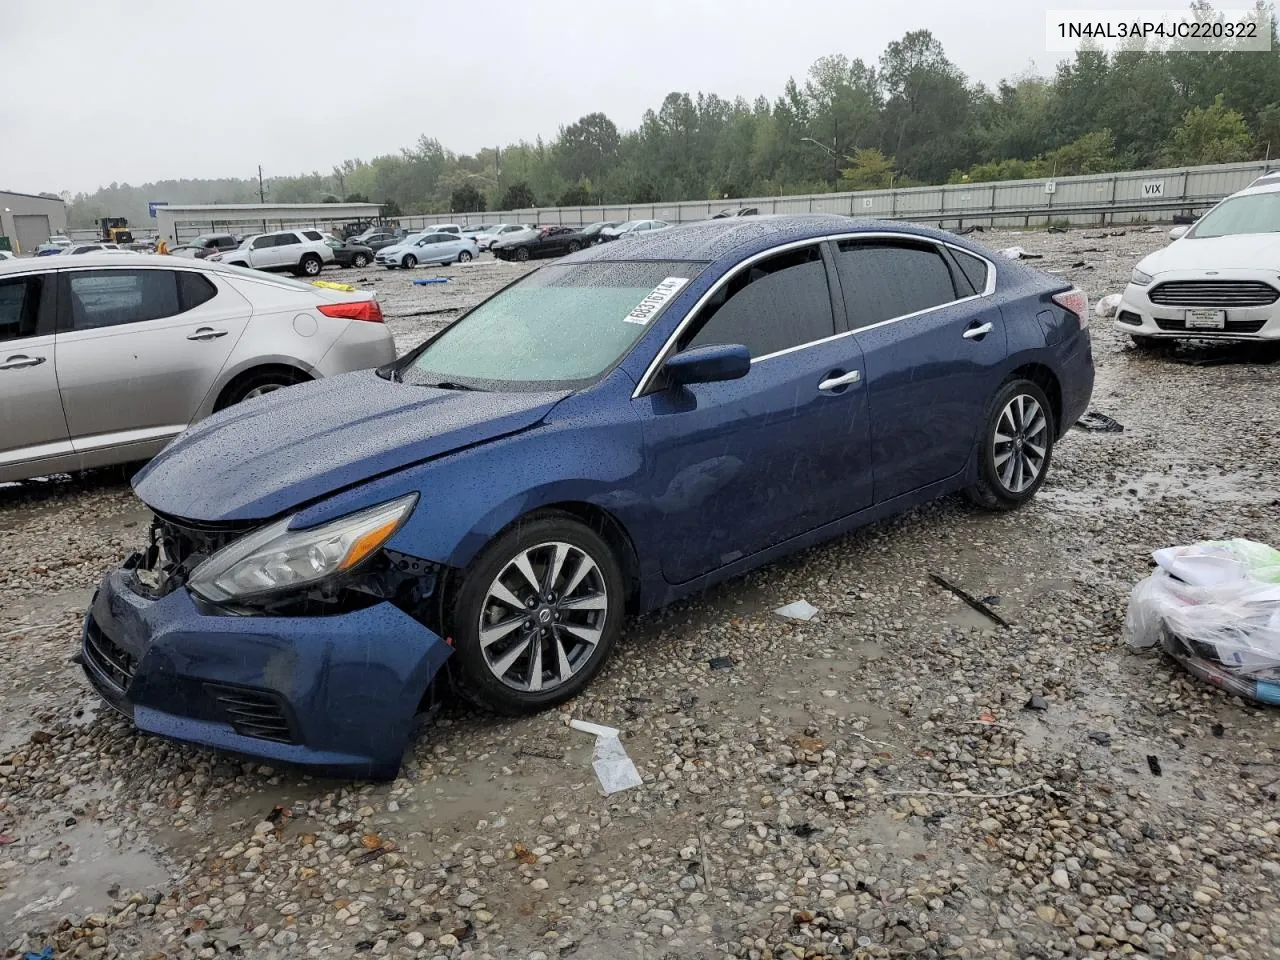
(652, 303)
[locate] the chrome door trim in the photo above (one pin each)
(122, 438)
(651, 371)
(42, 451)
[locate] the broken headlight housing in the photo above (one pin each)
(276, 559)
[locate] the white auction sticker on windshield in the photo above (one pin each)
(652, 303)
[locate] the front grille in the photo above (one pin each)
(254, 713)
(176, 548)
(1129, 317)
(114, 665)
(1214, 293)
(1232, 326)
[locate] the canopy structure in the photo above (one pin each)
(177, 223)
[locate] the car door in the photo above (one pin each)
(138, 349)
(261, 250)
(446, 248)
(286, 251)
(934, 350)
(741, 465)
(32, 424)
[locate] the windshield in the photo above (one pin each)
(626, 225)
(561, 326)
(1256, 213)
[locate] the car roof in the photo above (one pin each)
(709, 240)
(108, 258)
(1265, 184)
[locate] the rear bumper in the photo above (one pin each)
(362, 346)
(1076, 381)
(337, 693)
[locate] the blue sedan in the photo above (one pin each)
(607, 434)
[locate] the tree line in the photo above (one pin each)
(910, 118)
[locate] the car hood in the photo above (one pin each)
(1245, 252)
(265, 456)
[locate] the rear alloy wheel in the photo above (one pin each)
(522, 254)
(464, 256)
(258, 385)
(1015, 447)
(574, 246)
(409, 261)
(359, 261)
(310, 265)
(536, 616)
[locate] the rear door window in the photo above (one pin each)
(312, 235)
(885, 279)
(109, 298)
(19, 307)
(286, 240)
(772, 305)
(193, 290)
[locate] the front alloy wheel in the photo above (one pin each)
(537, 615)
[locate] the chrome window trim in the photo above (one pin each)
(661, 357)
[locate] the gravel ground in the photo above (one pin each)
(867, 784)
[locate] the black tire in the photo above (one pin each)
(574, 246)
(359, 261)
(1002, 486)
(522, 254)
(310, 266)
(256, 384)
(471, 602)
(464, 256)
(409, 261)
(1144, 343)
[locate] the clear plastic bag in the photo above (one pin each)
(1216, 607)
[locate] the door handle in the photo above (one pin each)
(207, 333)
(980, 331)
(835, 383)
(20, 360)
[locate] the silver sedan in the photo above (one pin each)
(105, 359)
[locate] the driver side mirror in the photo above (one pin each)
(1178, 231)
(710, 364)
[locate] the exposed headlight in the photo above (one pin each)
(1140, 279)
(276, 558)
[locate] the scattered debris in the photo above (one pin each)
(1214, 606)
(1036, 702)
(1077, 264)
(804, 830)
(1100, 737)
(1018, 253)
(991, 600)
(334, 285)
(720, 663)
(428, 280)
(1216, 355)
(972, 228)
(1099, 423)
(1182, 219)
(801, 611)
(613, 767)
(1218, 730)
(1053, 228)
(1117, 233)
(5, 839)
(972, 601)
(1107, 306)
(1153, 763)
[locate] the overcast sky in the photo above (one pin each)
(138, 90)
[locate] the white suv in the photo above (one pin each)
(1218, 279)
(301, 252)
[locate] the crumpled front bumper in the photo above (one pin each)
(338, 693)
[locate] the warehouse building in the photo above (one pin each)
(178, 223)
(28, 220)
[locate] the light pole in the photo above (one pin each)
(831, 152)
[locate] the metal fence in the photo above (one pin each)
(1137, 195)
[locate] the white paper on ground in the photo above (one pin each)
(1012, 253)
(613, 767)
(801, 610)
(1106, 307)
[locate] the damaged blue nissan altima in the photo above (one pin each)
(604, 435)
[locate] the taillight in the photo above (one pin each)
(359, 310)
(1077, 301)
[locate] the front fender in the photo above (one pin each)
(468, 497)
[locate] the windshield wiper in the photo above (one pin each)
(449, 385)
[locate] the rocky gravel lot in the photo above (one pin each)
(868, 784)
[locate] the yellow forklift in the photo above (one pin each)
(116, 230)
